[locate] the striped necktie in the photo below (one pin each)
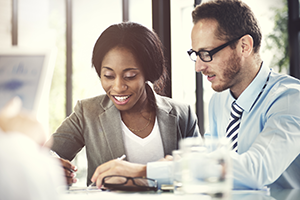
(234, 125)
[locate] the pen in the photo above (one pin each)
(120, 158)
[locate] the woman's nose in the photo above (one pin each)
(119, 85)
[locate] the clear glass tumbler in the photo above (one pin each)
(206, 166)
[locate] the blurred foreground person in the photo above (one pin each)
(27, 170)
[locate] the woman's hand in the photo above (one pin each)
(69, 170)
(118, 167)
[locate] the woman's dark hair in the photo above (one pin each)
(143, 43)
(234, 18)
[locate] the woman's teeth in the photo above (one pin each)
(121, 98)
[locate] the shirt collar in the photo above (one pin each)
(249, 95)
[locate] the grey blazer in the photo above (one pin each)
(96, 124)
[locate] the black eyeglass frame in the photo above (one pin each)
(211, 52)
(123, 187)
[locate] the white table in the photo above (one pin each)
(235, 195)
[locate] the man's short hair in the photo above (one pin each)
(234, 17)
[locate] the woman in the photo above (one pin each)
(130, 118)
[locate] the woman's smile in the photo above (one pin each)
(121, 100)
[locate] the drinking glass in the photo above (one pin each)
(206, 166)
(177, 182)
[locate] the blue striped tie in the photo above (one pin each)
(234, 125)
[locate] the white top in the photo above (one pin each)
(143, 150)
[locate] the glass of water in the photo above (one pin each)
(206, 166)
(177, 180)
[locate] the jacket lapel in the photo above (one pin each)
(111, 122)
(167, 125)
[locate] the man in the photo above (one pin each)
(266, 148)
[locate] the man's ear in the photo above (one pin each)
(246, 45)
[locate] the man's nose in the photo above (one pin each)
(200, 66)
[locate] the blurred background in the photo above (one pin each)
(73, 26)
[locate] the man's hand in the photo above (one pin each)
(118, 167)
(167, 158)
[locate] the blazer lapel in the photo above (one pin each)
(167, 125)
(111, 122)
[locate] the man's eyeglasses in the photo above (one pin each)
(206, 56)
(116, 182)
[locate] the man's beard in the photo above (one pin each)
(231, 69)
